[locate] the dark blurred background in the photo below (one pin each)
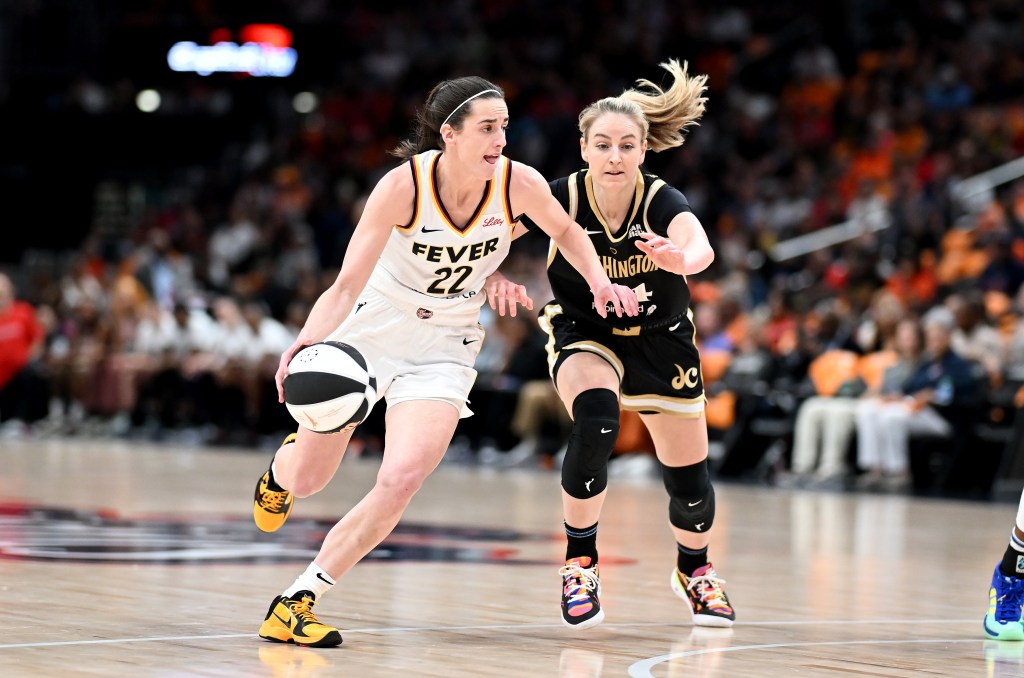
(162, 224)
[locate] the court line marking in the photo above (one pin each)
(485, 627)
(642, 668)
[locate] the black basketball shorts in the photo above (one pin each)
(659, 371)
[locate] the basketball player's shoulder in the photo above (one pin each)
(525, 176)
(652, 181)
(662, 201)
(527, 188)
(393, 199)
(400, 178)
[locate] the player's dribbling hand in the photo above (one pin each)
(282, 368)
(502, 292)
(621, 298)
(665, 254)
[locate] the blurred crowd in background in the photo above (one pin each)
(167, 316)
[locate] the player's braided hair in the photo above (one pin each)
(663, 115)
(447, 101)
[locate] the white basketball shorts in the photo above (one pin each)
(413, 358)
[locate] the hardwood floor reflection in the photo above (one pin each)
(133, 559)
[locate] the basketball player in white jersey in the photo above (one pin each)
(408, 298)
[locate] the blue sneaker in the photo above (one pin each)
(1003, 621)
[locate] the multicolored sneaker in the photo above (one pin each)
(1005, 597)
(270, 508)
(291, 620)
(581, 593)
(703, 592)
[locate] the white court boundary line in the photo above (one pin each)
(642, 669)
(486, 627)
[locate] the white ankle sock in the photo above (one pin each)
(314, 579)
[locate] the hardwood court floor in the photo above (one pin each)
(125, 559)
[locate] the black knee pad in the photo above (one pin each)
(691, 496)
(595, 427)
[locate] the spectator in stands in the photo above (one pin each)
(940, 390)
(23, 391)
(164, 271)
(1004, 272)
(973, 338)
(179, 391)
(230, 244)
(876, 331)
(825, 424)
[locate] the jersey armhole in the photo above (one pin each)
(512, 220)
(573, 196)
(415, 196)
(655, 187)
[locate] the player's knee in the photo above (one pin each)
(304, 485)
(594, 430)
(400, 484)
(691, 496)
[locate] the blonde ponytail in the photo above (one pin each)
(662, 115)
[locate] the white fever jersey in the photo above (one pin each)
(437, 267)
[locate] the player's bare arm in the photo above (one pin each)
(529, 193)
(685, 251)
(389, 204)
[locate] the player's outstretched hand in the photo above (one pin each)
(502, 293)
(282, 368)
(622, 299)
(665, 254)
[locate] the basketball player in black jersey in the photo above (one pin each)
(649, 240)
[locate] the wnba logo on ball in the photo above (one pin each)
(330, 387)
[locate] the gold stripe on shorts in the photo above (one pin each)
(685, 408)
(600, 350)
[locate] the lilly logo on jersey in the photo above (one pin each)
(492, 221)
(434, 253)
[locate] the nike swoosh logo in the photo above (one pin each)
(688, 504)
(606, 430)
(311, 419)
(592, 232)
(286, 622)
(324, 579)
(431, 230)
(467, 342)
(675, 327)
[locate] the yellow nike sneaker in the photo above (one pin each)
(270, 508)
(291, 620)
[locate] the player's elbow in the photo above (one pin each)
(700, 260)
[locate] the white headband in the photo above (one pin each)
(466, 102)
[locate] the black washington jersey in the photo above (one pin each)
(662, 295)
